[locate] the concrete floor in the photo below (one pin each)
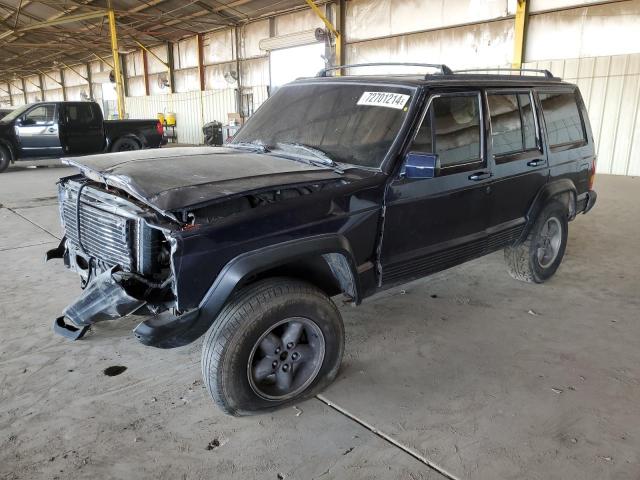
(469, 371)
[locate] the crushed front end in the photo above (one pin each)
(121, 250)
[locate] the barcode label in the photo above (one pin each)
(384, 99)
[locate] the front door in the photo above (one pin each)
(435, 223)
(37, 132)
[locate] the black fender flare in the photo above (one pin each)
(12, 152)
(546, 193)
(175, 331)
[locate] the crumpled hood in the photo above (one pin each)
(171, 179)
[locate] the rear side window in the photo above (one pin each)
(79, 114)
(451, 129)
(562, 119)
(513, 126)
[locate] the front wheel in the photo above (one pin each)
(276, 342)
(539, 256)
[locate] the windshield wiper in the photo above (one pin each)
(250, 146)
(315, 152)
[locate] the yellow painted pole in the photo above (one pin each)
(519, 33)
(332, 29)
(116, 63)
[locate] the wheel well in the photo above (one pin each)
(327, 272)
(568, 199)
(8, 148)
(126, 137)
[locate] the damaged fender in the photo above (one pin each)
(167, 331)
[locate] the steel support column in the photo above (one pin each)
(238, 72)
(170, 68)
(145, 71)
(62, 83)
(519, 36)
(24, 91)
(89, 80)
(332, 29)
(200, 40)
(116, 63)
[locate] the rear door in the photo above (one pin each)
(81, 128)
(435, 223)
(520, 164)
(37, 131)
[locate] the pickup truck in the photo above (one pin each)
(52, 129)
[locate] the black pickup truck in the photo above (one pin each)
(346, 185)
(53, 129)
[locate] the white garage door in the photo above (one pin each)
(287, 64)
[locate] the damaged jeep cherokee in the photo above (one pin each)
(337, 185)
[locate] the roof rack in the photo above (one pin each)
(546, 73)
(444, 70)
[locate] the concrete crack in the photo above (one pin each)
(387, 438)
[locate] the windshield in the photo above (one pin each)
(14, 114)
(353, 124)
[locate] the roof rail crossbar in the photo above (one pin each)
(545, 72)
(444, 70)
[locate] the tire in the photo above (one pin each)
(125, 145)
(5, 159)
(255, 331)
(537, 258)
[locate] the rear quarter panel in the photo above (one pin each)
(571, 163)
(144, 130)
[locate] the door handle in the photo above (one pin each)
(479, 176)
(536, 163)
(52, 129)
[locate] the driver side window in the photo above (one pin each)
(451, 130)
(41, 115)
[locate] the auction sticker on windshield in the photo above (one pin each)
(384, 99)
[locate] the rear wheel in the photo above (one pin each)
(539, 256)
(125, 145)
(5, 159)
(276, 342)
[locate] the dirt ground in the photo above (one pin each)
(467, 374)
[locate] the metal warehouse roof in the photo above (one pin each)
(76, 30)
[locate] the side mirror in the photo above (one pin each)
(421, 165)
(26, 122)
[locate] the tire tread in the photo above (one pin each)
(243, 304)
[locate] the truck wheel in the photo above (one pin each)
(5, 159)
(276, 342)
(125, 145)
(539, 256)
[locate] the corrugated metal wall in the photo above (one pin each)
(594, 43)
(591, 43)
(192, 109)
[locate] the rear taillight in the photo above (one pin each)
(592, 173)
(159, 127)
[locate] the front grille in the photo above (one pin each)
(111, 229)
(104, 235)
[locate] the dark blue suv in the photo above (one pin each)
(337, 185)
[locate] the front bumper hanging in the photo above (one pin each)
(103, 299)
